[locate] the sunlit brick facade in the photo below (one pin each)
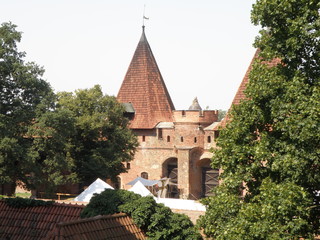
(172, 143)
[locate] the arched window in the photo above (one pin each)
(168, 138)
(144, 175)
(181, 139)
(209, 139)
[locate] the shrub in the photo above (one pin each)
(156, 220)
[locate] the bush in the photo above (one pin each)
(156, 220)
(19, 202)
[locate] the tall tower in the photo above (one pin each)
(144, 89)
(172, 143)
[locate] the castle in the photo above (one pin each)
(172, 143)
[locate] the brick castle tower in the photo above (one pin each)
(172, 143)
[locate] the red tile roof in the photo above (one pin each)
(143, 86)
(240, 93)
(34, 222)
(112, 227)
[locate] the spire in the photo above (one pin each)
(195, 105)
(144, 88)
(240, 95)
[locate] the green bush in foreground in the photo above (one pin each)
(156, 220)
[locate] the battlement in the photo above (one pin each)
(196, 116)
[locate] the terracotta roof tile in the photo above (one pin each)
(240, 95)
(34, 222)
(112, 227)
(144, 88)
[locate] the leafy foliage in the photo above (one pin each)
(221, 114)
(102, 140)
(19, 202)
(23, 94)
(158, 221)
(48, 139)
(269, 150)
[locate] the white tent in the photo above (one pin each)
(97, 186)
(181, 204)
(144, 182)
(139, 188)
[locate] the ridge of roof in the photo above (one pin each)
(144, 87)
(117, 226)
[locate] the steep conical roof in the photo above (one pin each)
(145, 89)
(195, 105)
(240, 95)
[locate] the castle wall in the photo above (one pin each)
(183, 144)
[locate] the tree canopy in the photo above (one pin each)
(23, 95)
(102, 140)
(269, 150)
(49, 139)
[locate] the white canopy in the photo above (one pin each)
(144, 182)
(97, 186)
(181, 204)
(139, 188)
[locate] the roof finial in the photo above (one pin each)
(144, 17)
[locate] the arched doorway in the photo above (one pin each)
(170, 170)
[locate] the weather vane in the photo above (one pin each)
(144, 17)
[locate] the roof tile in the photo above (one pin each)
(117, 226)
(33, 222)
(240, 95)
(144, 88)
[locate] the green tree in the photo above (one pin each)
(102, 139)
(23, 94)
(51, 134)
(221, 114)
(48, 140)
(270, 148)
(156, 220)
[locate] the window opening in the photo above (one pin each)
(144, 175)
(160, 133)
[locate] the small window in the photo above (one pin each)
(128, 166)
(195, 140)
(143, 138)
(168, 138)
(209, 139)
(160, 133)
(181, 139)
(183, 113)
(144, 175)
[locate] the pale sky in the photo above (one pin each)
(203, 48)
